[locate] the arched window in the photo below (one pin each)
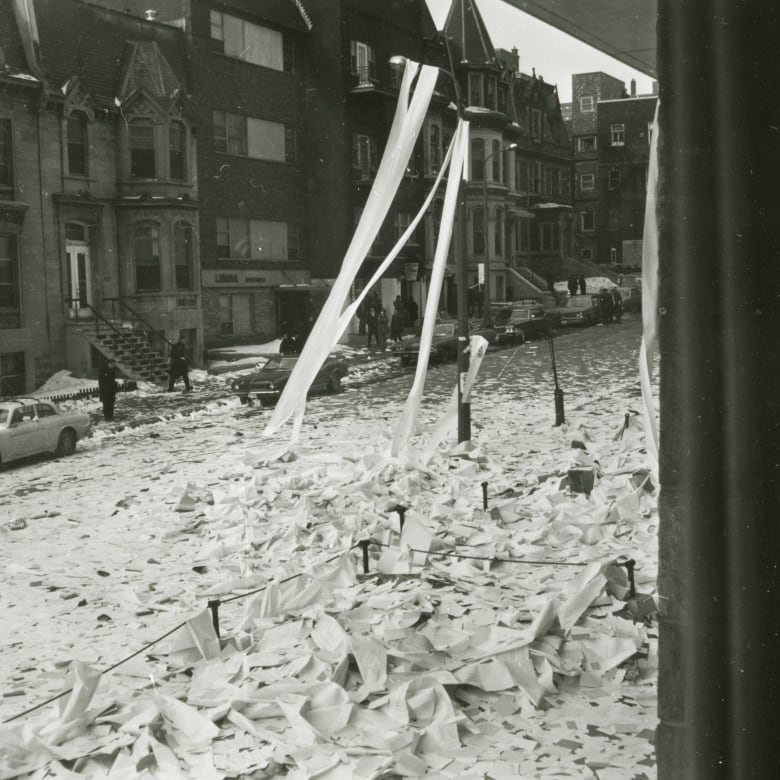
(176, 147)
(435, 158)
(498, 232)
(495, 151)
(183, 250)
(142, 156)
(77, 144)
(146, 253)
(477, 159)
(478, 230)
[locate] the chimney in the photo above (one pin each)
(633, 87)
(150, 15)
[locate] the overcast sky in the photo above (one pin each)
(554, 54)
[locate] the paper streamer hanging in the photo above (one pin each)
(650, 294)
(408, 120)
(405, 426)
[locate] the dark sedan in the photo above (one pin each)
(516, 324)
(267, 382)
(580, 310)
(444, 345)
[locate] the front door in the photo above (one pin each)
(79, 274)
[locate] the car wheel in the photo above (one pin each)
(334, 383)
(66, 444)
(244, 399)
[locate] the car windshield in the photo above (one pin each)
(276, 362)
(444, 329)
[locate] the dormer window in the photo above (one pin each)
(176, 147)
(142, 156)
(77, 144)
(475, 90)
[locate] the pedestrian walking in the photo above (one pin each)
(382, 328)
(412, 311)
(179, 365)
(582, 285)
(396, 327)
(371, 326)
(572, 285)
(107, 388)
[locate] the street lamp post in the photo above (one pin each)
(486, 238)
(461, 275)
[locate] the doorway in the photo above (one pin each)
(77, 258)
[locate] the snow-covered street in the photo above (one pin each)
(435, 664)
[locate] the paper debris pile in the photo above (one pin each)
(447, 659)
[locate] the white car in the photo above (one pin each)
(30, 426)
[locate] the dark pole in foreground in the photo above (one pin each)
(558, 393)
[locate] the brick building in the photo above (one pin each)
(100, 218)
(610, 132)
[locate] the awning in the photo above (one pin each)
(521, 213)
(623, 29)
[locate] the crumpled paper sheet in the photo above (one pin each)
(439, 667)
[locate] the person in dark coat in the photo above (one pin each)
(412, 311)
(107, 388)
(179, 366)
(572, 285)
(382, 327)
(288, 345)
(371, 326)
(582, 285)
(396, 326)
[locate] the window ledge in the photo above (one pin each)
(230, 57)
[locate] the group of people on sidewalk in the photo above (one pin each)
(178, 368)
(575, 283)
(375, 325)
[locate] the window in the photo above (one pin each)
(587, 181)
(490, 92)
(6, 155)
(521, 174)
(10, 315)
(613, 179)
(146, 251)
(548, 181)
(230, 134)
(586, 143)
(586, 254)
(536, 124)
(434, 149)
(362, 62)
(176, 141)
(550, 237)
(254, 239)
(587, 221)
(364, 154)
(142, 157)
(618, 135)
(477, 159)
(11, 373)
(251, 42)
(586, 103)
(293, 251)
(226, 315)
(495, 153)
(475, 89)
(498, 232)
(537, 178)
(613, 255)
(401, 221)
(478, 231)
(77, 144)
(183, 250)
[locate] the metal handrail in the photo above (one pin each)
(100, 318)
(150, 328)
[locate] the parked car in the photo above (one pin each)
(267, 382)
(632, 299)
(444, 345)
(579, 310)
(31, 426)
(515, 324)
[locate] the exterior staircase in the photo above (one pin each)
(134, 357)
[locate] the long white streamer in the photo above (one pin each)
(650, 294)
(407, 122)
(405, 426)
